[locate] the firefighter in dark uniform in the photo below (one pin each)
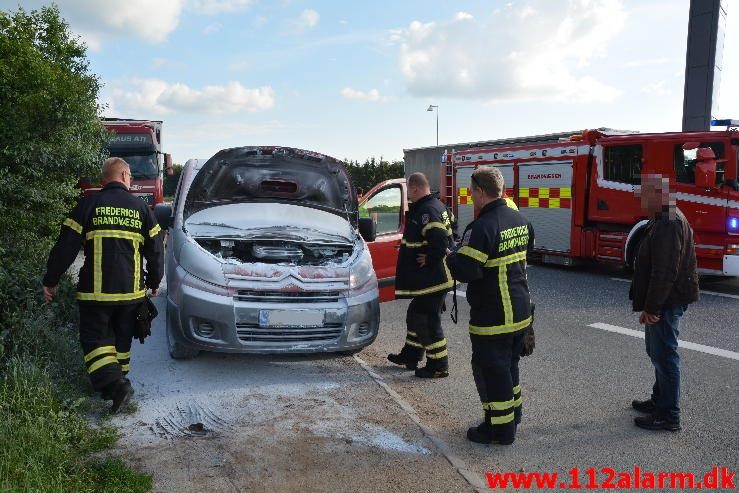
(118, 231)
(422, 275)
(492, 259)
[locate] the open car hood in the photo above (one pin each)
(273, 174)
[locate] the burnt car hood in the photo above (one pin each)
(278, 221)
(273, 174)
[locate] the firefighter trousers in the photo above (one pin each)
(423, 322)
(495, 369)
(106, 333)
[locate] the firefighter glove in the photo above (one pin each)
(145, 313)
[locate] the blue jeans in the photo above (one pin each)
(661, 342)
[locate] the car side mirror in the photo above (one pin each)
(368, 228)
(168, 164)
(163, 213)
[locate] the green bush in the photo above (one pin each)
(50, 134)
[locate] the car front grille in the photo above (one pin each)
(288, 297)
(253, 333)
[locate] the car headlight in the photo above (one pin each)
(362, 273)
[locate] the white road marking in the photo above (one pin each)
(712, 293)
(474, 479)
(683, 344)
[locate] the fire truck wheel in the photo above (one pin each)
(631, 254)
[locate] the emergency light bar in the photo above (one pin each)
(725, 123)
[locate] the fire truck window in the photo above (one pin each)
(685, 162)
(385, 208)
(143, 166)
(623, 164)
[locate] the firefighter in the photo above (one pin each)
(492, 259)
(117, 230)
(423, 276)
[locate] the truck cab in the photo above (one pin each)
(139, 143)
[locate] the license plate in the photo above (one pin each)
(290, 318)
(146, 197)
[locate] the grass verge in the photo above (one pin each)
(47, 441)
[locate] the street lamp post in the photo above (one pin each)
(431, 108)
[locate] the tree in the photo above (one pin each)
(373, 171)
(50, 134)
(170, 182)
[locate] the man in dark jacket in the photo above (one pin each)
(492, 259)
(422, 274)
(665, 282)
(118, 230)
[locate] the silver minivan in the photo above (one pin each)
(264, 255)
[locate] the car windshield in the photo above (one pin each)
(143, 166)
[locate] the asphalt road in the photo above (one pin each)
(578, 385)
(337, 423)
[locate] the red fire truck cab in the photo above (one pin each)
(579, 195)
(139, 143)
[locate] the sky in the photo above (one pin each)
(354, 79)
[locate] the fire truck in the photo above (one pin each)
(139, 143)
(578, 193)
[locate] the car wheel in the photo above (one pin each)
(178, 349)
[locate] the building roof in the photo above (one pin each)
(554, 137)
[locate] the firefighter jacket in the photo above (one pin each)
(118, 230)
(428, 230)
(492, 259)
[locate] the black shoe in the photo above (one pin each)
(121, 396)
(402, 359)
(484, 434)
(427, 372)
(654, 422)
(644, 406)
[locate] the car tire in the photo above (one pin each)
(178, 349)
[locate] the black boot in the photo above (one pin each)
(644, 406)
(483, 433)
(107, 393)
(408, 356)
(121, 395)
(434, 369)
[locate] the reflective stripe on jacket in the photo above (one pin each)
(428, 230)
(492, 259)
(118, 230)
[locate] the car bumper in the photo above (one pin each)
(213, 322)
